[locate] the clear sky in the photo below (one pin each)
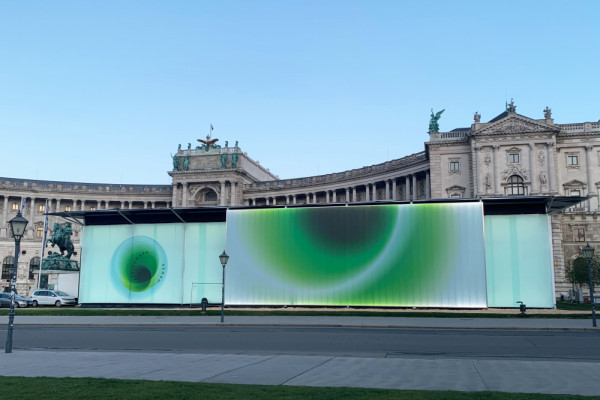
(104, 91)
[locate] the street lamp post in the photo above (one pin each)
(588, 254)
(17, 228)
(223, 258)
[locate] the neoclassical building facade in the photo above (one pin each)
(510, 155)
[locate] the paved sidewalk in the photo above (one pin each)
(386, 373)
(330, 321)
(558, 377)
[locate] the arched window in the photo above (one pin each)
(34, 266)
(210, 195)
(515, 186)
(7, 267)
(206, 197)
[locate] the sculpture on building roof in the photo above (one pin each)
(186, 163)
(547, 113)
(175, 162)
(223, 160)
(208, 143)
(510, 107)
(234, 160)
(433, 123)
(477, 117)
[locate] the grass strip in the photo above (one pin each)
(102, 389)
(87, 312)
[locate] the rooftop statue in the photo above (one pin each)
(234, 160)
(208, 143)
(510, 107)
(433, 123)
(175, 162)
(186, 163)
(477, 117)
(547, 113)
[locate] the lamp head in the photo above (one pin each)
(17, 226)
(224, 258)
(588, 252)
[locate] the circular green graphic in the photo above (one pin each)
(139, 263)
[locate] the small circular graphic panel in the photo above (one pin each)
(139, 264)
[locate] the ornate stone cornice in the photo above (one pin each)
(515, 124)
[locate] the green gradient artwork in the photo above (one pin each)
(140, 263)
(387, 255)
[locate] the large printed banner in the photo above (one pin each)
(518, 260)
(424, 255)
(152, 263)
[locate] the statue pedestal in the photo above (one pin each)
(59, 264)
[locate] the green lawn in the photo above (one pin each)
(102, 389)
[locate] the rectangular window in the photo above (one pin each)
(454, 166)
(572, 160)
(579, 234)
(513, 158)
(576, 193)
(39, 232)
(15, 206)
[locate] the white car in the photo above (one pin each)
(52, 297)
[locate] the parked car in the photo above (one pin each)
(4, 301)
(52, 297)
(19, 300)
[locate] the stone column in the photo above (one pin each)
(145, 205)
(387, 189)
(253, 202)
(551, 171)
(222, 197)
(122, 205)
(367, 194)
(173, 197)
(593, 202)
(233, 193)
(82, 206)
(327, 196)
(394, 189)
(532, 174)
(153, 204)
(57, 205)
(354, 194)
(32, 212)
(407, 187)
(414, 186)
(496, 178)
(427, 185)
(5, 212)
(347, 198)
(334, 196)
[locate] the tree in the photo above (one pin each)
(576, 271)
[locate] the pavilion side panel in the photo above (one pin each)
(519, 260)
(422, 255)
(202, 276)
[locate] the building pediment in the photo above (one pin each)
(574, 184)
(515, 124)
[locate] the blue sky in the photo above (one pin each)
(104, 91)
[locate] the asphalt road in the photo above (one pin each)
(339, 342)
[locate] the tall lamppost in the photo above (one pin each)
(588, 254)
(223, 258)
(17, 228)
